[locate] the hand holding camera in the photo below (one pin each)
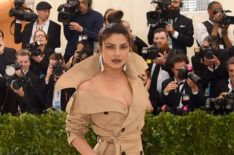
(192, 85)
(171, 86)
(19, 91)
(160, 60)
(170, 29)
(75, 26)
(49, 73)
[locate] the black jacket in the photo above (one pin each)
(31, 102)
(41, 68)
(7, 58)
(185, 39)
(172, 99)
(209, 76)
(24, 36)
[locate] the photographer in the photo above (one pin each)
(85, 22)
(56, 100)
(210, 64)
(51, 28)
(213, 27)
(39, 54)
(159, 69)
(226, 85)
(83, 51)
(24, 91)
(178, 93)
(7, 57)
(179, 27)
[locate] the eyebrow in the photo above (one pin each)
(115, 44)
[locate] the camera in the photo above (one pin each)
(58, 67)
(83, 54)
(33, 48)
(12, 79)
(225, 20)
(208, 52)
(159, 16)
(67, 11)
(187, 72)
(150, 53)
(220, 106)
(22, 13)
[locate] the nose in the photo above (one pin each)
(117, 52)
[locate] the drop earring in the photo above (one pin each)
(125, 67)
(101, 63)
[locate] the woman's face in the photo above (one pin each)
(115, 50)
(40, 36)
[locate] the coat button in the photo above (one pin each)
(123, 153)
(123, 129)
(106, 113)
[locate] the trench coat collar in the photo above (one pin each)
(90, 67)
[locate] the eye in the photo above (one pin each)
(124, 46)
(110, 46)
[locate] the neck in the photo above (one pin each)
(42, 47)
(112, 74)
(40, 21)
(211, 19)
(83, 12)
(232, 83)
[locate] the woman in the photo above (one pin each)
(40, 60)
(110, 96)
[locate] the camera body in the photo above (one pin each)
(22, 13)
(187, 72)
(12, 79)
(33, 48)
(83, 54)
(225, 20)
(150, 53)
(208, 52)
(67, 11)
(58, 69)
(221, 106)
(160, 13)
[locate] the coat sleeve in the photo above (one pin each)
(186, 37)
(77, 123)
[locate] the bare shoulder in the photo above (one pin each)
(85, 85)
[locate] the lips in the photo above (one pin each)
(116, 61)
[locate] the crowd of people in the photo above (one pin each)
(31, 86)
(112, 87)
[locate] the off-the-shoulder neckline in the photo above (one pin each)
(105, 97)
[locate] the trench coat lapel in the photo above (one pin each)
(90, 67)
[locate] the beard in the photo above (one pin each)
(164, 47)
(172, 14)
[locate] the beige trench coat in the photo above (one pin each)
(118, 127)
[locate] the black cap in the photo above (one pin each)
(43, 5)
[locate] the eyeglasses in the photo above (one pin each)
(40, 35)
